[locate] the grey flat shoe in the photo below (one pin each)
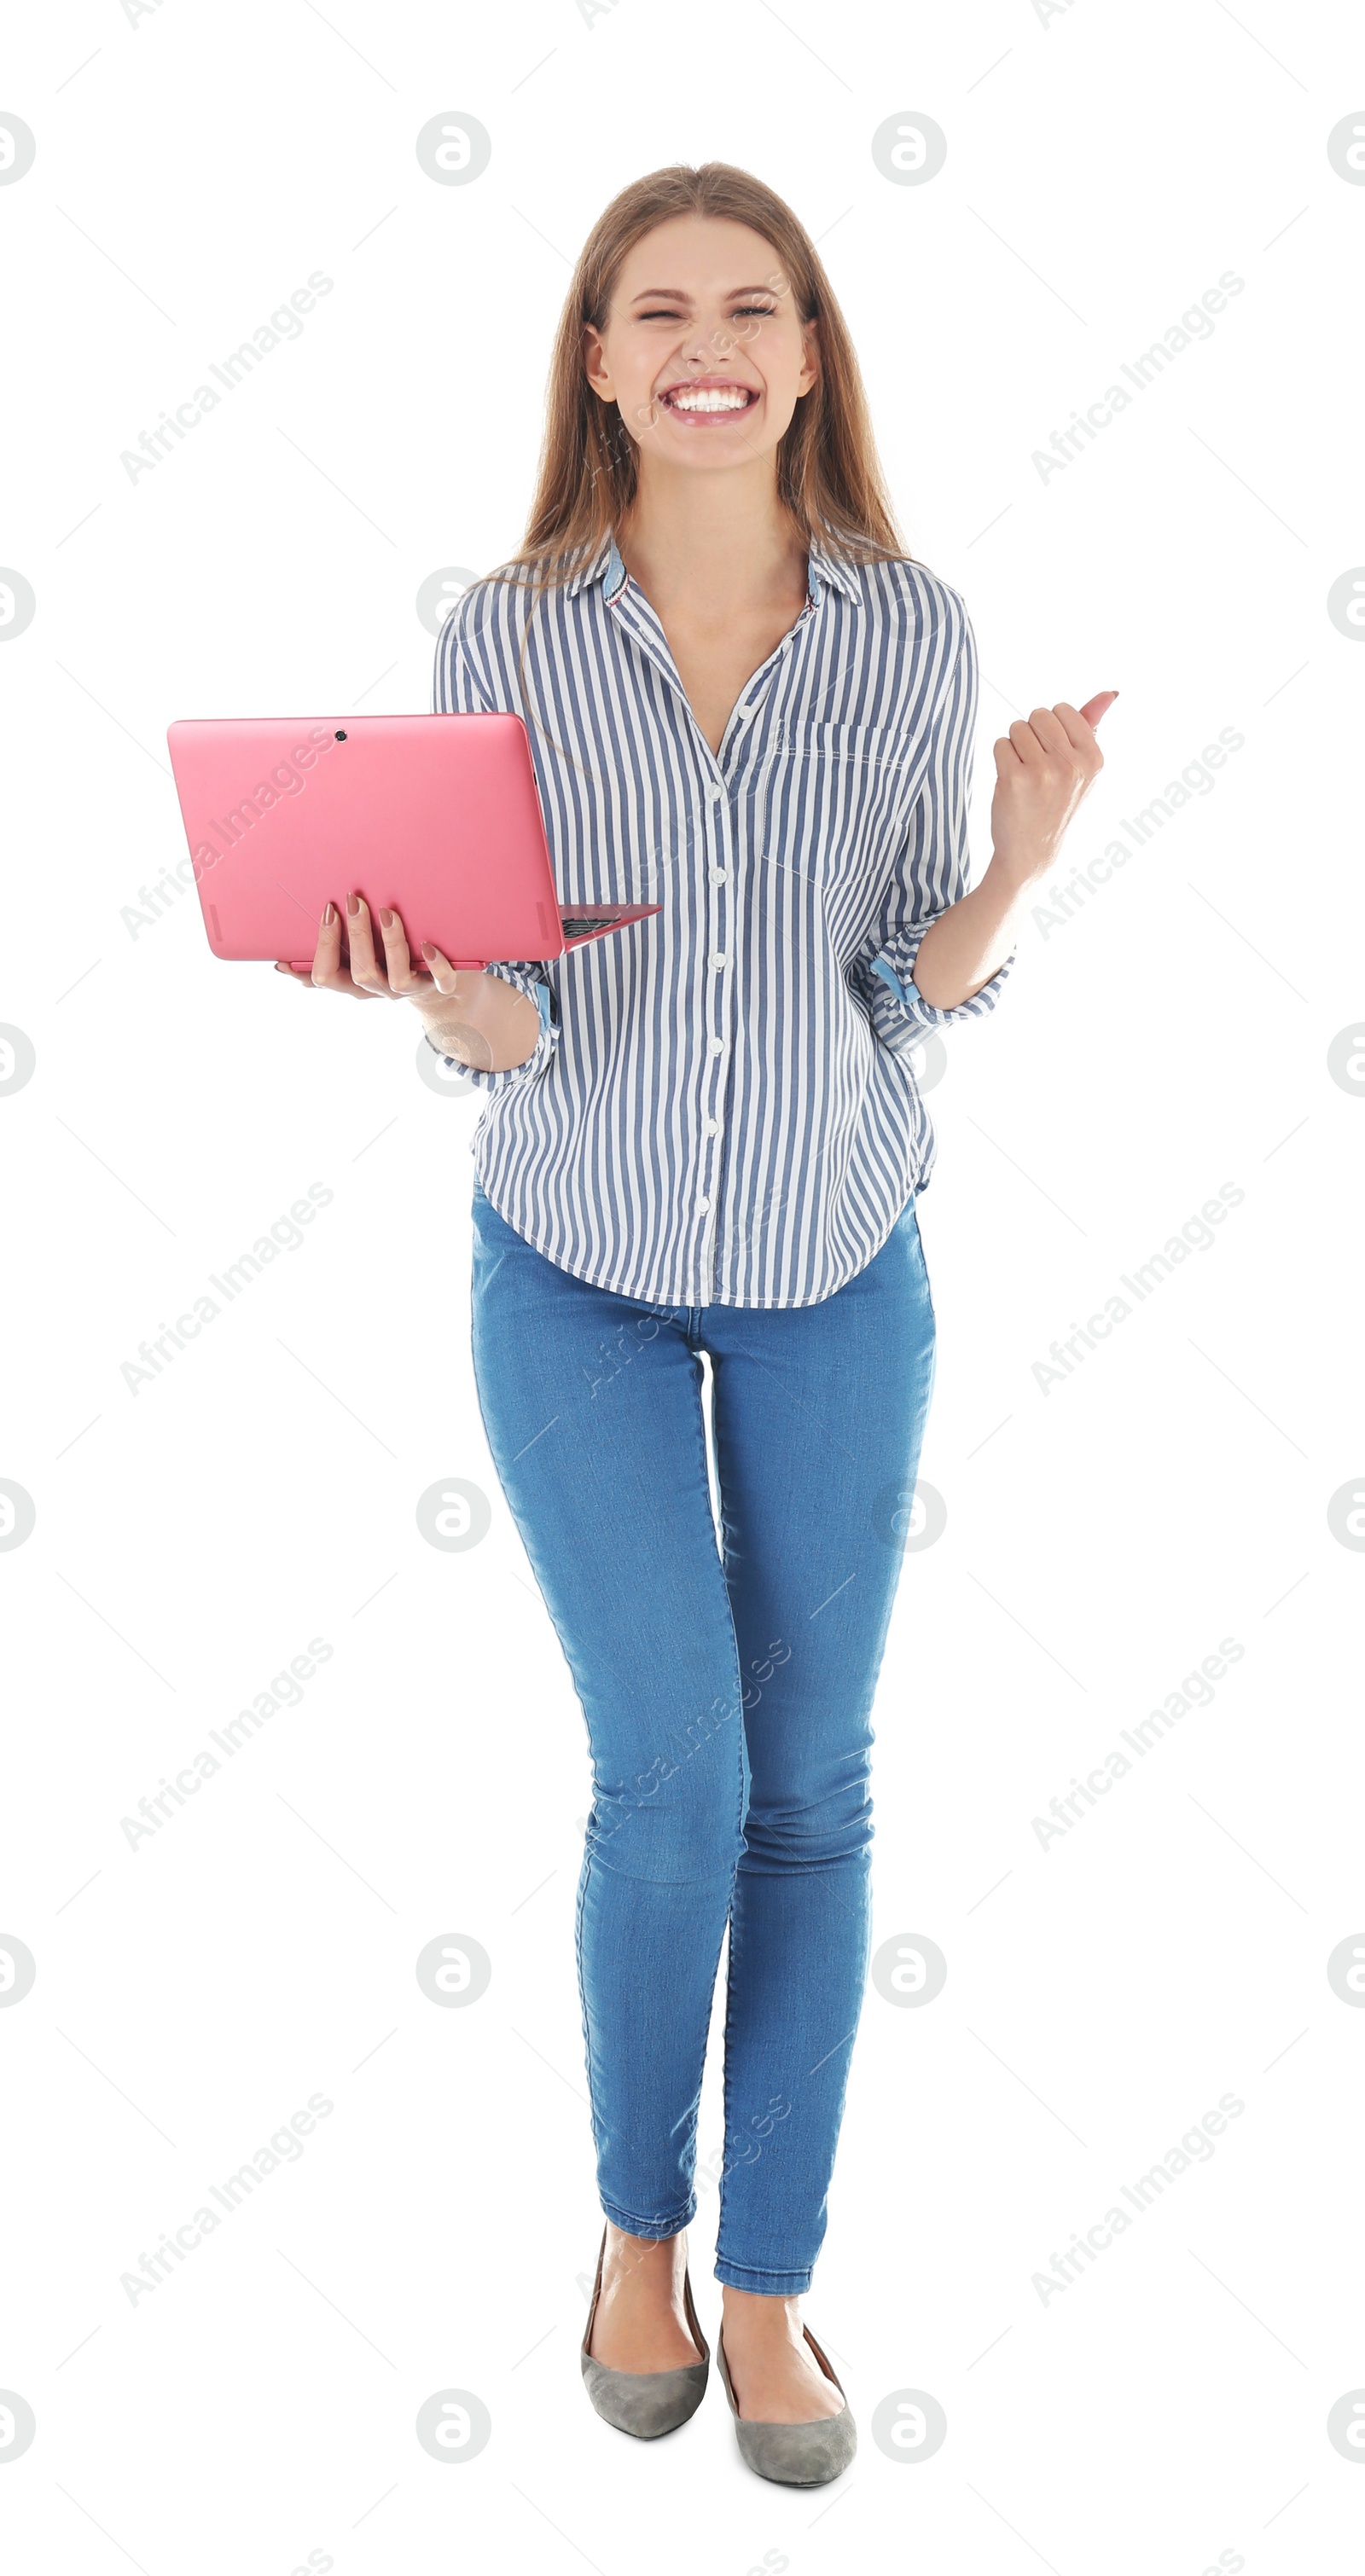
(795, 2455)
(645, 2402)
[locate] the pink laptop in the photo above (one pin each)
(436, 818)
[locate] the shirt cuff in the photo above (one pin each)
(895, 965)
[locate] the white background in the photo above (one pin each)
(1168, 2410)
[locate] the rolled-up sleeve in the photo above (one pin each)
(930, 869)
(458, 691)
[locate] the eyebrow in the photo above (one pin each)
(680, 295)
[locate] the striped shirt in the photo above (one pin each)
(722, 1106)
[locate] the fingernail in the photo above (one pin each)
(329, 916)
(353, 903)
(385, 919)
(279, 969)
(427, 948)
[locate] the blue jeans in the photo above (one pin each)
(727, 1696)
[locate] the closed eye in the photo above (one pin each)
(666, 313)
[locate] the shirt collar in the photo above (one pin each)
(841, 576)
(607, 568)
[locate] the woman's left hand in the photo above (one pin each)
(1042, 771)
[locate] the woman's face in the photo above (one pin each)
(703, 350)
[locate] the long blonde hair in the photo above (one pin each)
(829, 478)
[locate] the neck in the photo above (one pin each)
(719, 539)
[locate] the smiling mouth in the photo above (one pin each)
(708, 402)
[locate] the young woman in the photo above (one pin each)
(748, 704)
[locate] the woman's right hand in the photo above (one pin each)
(478, 1018)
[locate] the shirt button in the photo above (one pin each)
(717, 1046)
(720, 876)
(720, 958)
(714, 793)
(711, 1126)
(703, 1204)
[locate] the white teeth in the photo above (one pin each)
(709, 398)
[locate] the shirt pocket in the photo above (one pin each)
(830, 800)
